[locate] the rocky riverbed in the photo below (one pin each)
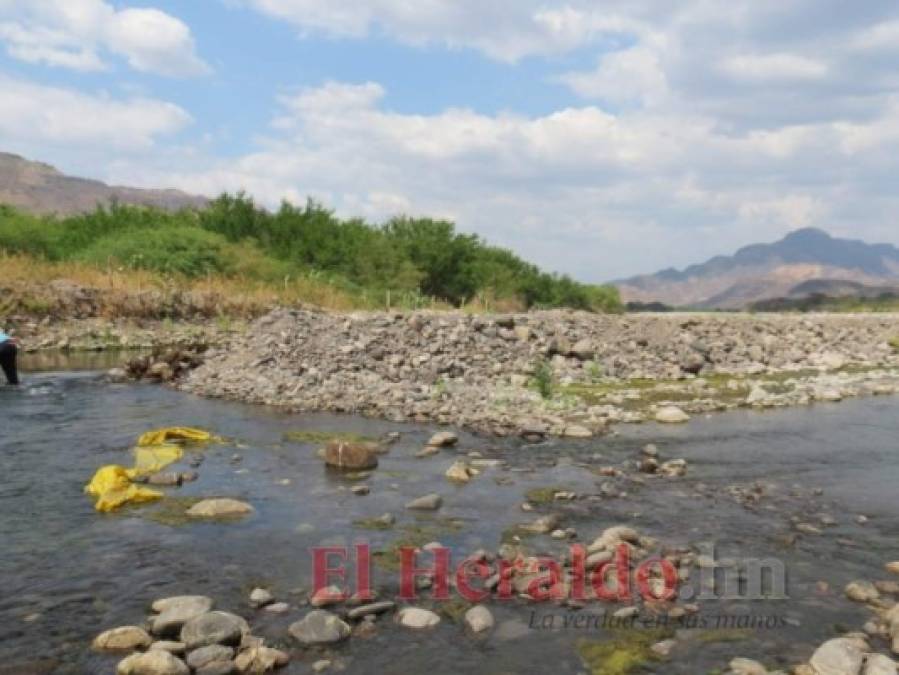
(549, 373)
(813, 488)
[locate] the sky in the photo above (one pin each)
(597, 138)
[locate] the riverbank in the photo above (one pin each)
(556, 373)
(96, 334)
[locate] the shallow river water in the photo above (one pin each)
(69, 572)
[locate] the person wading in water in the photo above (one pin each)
(8, 353)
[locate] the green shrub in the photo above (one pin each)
(188, 251)
(543, 379)
(20, 233)
(412, 261)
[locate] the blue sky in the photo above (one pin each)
(600, 139)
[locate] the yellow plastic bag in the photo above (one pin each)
(160, 436)
(113, 487)
(153, 459)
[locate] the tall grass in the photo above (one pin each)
(28, 289)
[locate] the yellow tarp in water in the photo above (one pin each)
(161, 436)
(153, 459)
(112, 484)
(113, 487)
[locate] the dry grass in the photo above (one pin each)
(29, 289)
(487, 303)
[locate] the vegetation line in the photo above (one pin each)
(296, 253)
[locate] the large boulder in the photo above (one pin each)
(320, 627)
(353, 456)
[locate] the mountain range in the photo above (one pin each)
(39, 188)
(805, 262)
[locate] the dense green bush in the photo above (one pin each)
(188, 251)
(25, 234)
(409, 257)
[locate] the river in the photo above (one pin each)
(69, 572)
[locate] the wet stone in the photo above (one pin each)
(213, 628)
(176, 611)
(154, 662)
(209, 654)
(371, 608)
(260, 597)
(430, 502)
(319, 627)
(417, 618)
(443, 439)
(219, 508)
(124, 638)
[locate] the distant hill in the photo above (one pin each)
(804, 263)
(39, 188)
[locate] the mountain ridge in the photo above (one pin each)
(768, 270)
(40, 188)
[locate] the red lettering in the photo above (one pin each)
(578, 572)
(548, 584)
(321, 573)
(621, 565)
(472, 568)
(439, 573)
(669, 575)
(363, 572)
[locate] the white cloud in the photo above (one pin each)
(153, 41)
(884, 35)
(581, 190)
(702, 127)
(626, 76)
(75, 33)
(774, 67)
(506, 30)
(52, 117)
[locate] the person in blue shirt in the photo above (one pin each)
(8, 352)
